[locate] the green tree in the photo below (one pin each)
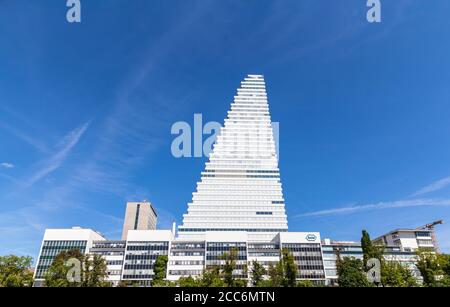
(211, 277)
(95, 271)
(444, 260)
(444, 263)
(189, 282)
(124, 284)
(351, 273)
(369, 249)
(160, 270)
(428, 266)
(258, 271)
(56, 275)
(92, 270)
(15, 271)
(394, 274)
(284, 272)
(228, 269)
(276, 274)
(289, 268)
(305, 284)
(434, 268)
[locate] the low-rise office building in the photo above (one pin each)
(56, 241)
(132, 261)
(334, 249)
(410, 240)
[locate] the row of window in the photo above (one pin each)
(276, 193)
(230, 229)
(241, 216)
(52, 253)
(423, 234)
(137, 276)
(263, 254)
(186, 262)
(243, 183)
(138, 267)
(220, 257)
(188, 245)
(109, 245)
(208, 209)
(264, 213)
(236, 204)
(342, 249)
(310, 264)
(307, 254)
(425, 242)
(240, 171)
(63, 244)
(263, 246)
(107, 253)
(302, 247)
(227, 245)
(238, 176)
(215, 250)
(140, 261)
(187, 253)
(143, 256)
(311, 274)
(148, 247)
(186, 272)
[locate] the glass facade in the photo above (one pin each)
(308, 258)
(50, 249)
(215, 252)
(140, 258)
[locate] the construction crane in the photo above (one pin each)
(430, 226)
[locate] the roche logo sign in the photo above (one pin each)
(311, 237)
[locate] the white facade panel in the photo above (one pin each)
(150, 235)
(240, 188)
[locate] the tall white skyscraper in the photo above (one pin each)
(240, 188)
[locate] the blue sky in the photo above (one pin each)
(86, 109)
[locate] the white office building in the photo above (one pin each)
(56, 241)
(408, 239)
(350, 249)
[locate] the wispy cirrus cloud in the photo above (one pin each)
(6, 165)
(378, 206)
(30, 140)
(433, 187)
(56, 160)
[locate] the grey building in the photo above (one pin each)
(139, 216)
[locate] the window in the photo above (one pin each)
(136, 220)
